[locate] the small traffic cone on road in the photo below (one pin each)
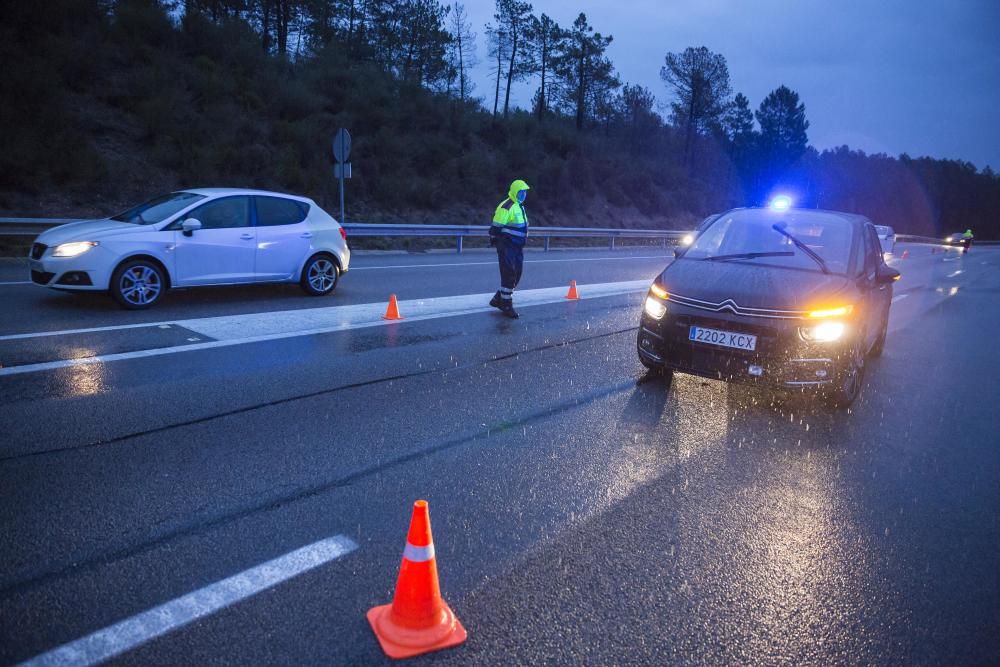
(392, 312)
(418, 620)
(571, 294)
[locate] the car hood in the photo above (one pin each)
(88, 230)
(752, 286)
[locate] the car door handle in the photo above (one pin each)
(307, 235)
(246, 237)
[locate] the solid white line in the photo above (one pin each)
(17, 282)
(899, 297)
(158, 621)
(526, 261)
(261, 327)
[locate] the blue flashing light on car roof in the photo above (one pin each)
(780, 203)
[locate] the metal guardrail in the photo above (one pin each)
(34, 226)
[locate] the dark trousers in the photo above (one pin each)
(511, 259)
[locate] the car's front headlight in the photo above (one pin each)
(655, 308)
(73, 249)
(826, 332)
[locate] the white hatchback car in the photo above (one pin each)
(209, 236)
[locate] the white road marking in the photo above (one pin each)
(17, 282)
(493, 263)
(158, 621)
(899, 297)
(954, 273)
(259, 327)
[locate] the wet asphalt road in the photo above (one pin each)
(583, 513)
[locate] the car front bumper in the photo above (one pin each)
(85, 272)
(781, 358)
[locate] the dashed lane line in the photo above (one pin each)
(260, 327)
(126, 635)
(899, 297)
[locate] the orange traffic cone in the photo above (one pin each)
(392, 312)
(906, 253)
(418, 620)
(571, 294)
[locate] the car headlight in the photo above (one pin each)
(655, 308)
(73, 249)
(826, 332)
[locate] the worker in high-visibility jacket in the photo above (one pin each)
(966, 241)
(509, 233)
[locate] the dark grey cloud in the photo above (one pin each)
(884, 76)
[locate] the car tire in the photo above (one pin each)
(320, 275)
(848, 383)
(656, 370)
(138, 284)
(879, 345)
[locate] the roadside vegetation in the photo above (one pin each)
(109, 101)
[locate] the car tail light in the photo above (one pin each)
(343, 233)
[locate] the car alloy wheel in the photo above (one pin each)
(320, 276)
(138, 285)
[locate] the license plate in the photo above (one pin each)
(722, 338)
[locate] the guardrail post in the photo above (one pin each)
(547, 239)
(612, 244)
(459, 245)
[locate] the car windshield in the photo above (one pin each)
(158, 209)
(750, 236)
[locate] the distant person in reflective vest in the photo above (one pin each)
(966, 240)
(508, 234)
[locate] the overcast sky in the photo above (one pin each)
(893, 76)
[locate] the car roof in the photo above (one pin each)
(215, 192)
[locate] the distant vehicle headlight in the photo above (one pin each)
(826, 332)
(688, 239)
(655, 308)
(73, 249)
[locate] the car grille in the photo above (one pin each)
(37, 250)
(733, 307)
(41, 277)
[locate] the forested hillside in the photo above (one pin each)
(110, 101)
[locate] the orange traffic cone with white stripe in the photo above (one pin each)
(418, 620)
(392, 312)
(571, 294)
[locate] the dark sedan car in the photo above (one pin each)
(792, 299)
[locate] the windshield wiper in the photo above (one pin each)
(750, 255)
(780, 228)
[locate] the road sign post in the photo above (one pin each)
(342, 168)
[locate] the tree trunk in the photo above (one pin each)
(581, 92)
(461, 67)
(541, 93)
(510, 72)
(496, 96)
(265, 25)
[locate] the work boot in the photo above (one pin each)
(497, 301)
(509, 311)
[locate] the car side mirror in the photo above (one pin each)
(887, 275)
(190, 226)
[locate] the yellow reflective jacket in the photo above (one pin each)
(510, 218)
